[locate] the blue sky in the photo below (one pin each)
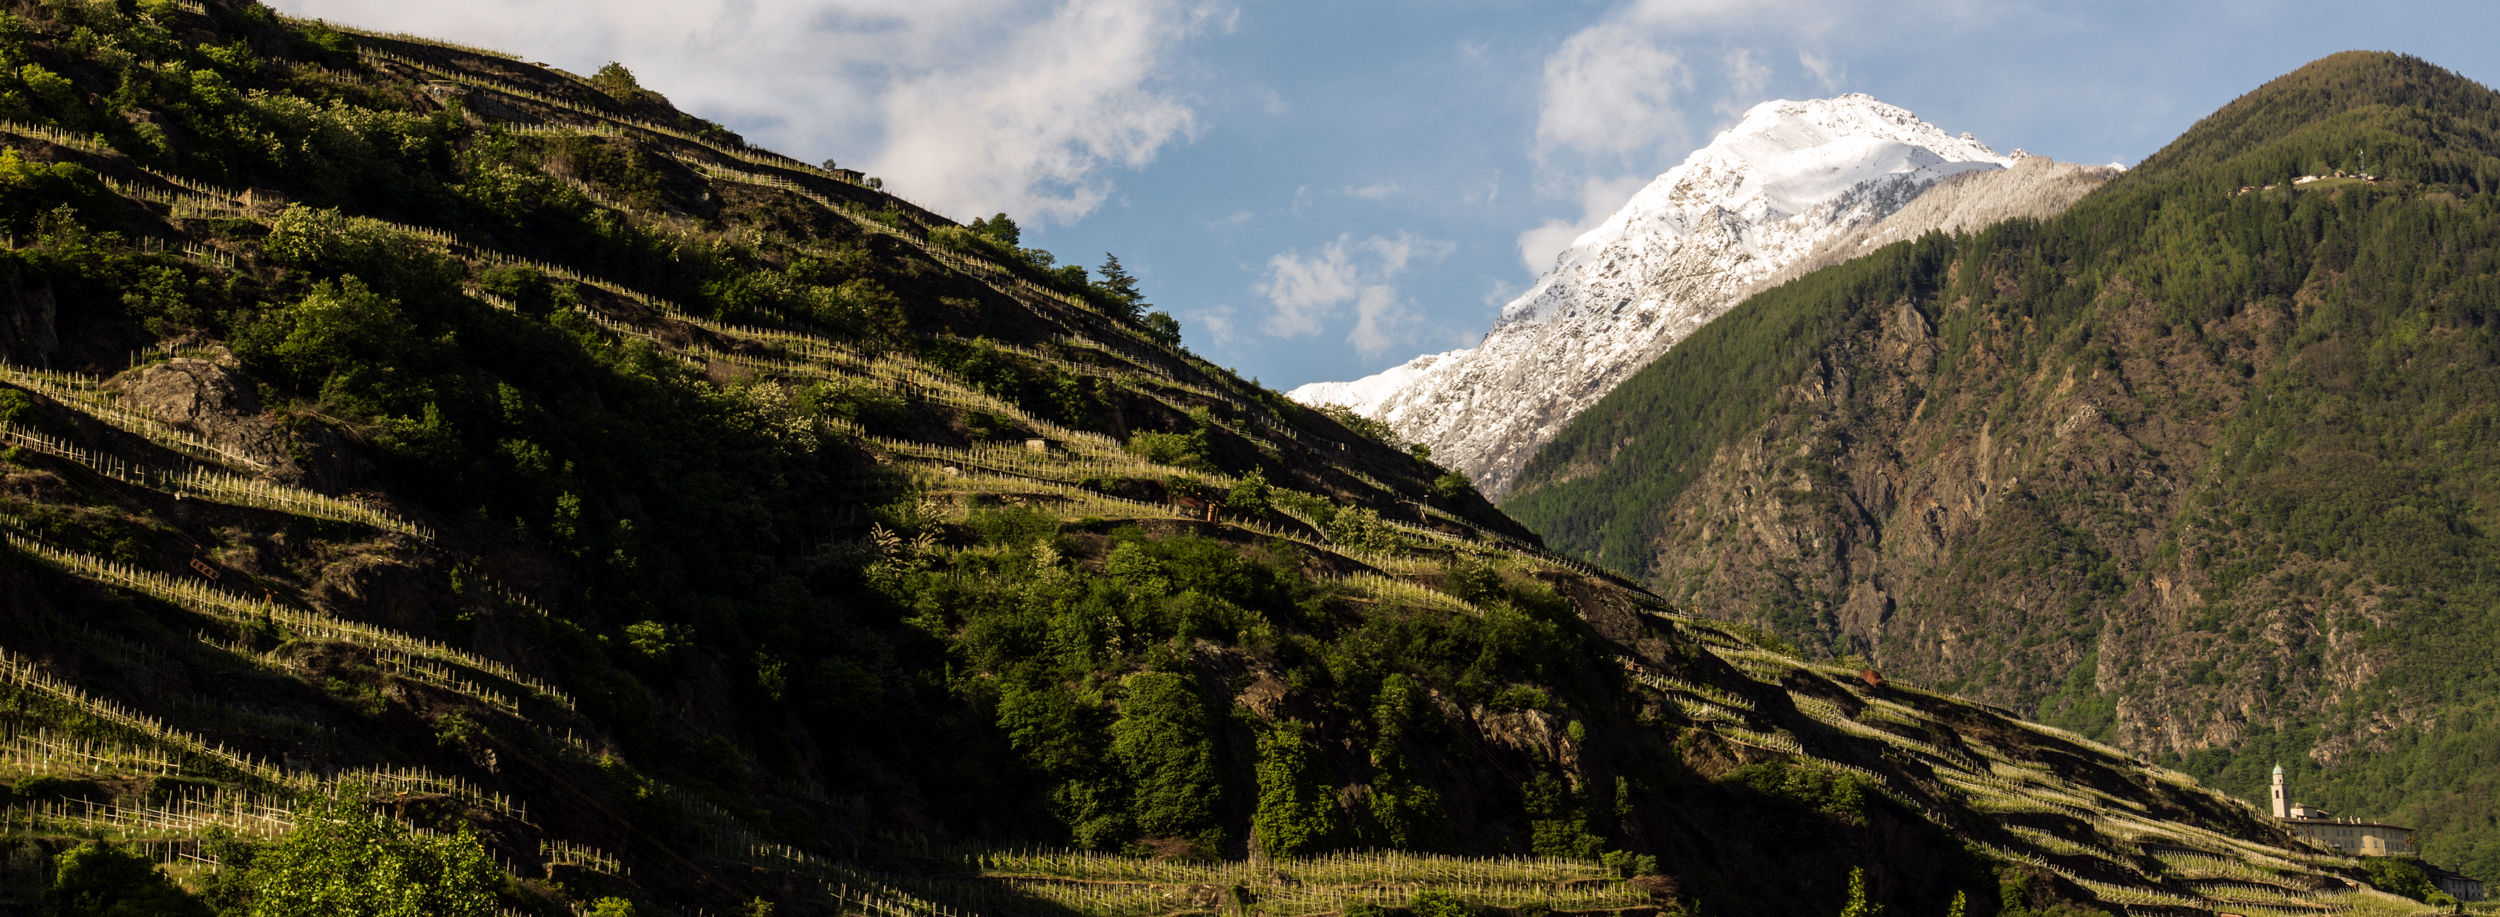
(1321, 190)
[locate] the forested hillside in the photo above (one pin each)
(439, 484)
(2203, 467)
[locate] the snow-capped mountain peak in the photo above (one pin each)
(1782, 159)
(1683, 250)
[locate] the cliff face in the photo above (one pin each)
(1760, 197)
(2183, 467)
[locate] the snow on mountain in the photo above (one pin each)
(1686, 248)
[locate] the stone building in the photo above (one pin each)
(2348, 836)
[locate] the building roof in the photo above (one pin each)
(2347, 824)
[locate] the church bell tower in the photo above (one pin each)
(2282, 799)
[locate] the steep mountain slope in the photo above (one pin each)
(1687, 247)
(2034, 186)
(2200, 467)
(670, 527)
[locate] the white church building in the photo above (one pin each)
(2347, 836)
(2362, 838)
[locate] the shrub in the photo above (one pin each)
(529, 290)
(1162, 327)
(342, 340)
(1557, 824)
(100, 879)
(1360, 528)
(1436, 903)
(328, 243)
(48, 787)
(1015, 526)
(1297, 812)
(1627, 864)
(1858, 906)
(1179, 450)
(2400, 876)
(341, 860)
(999, 229)
(1249, 495)
(1375, 430)
(1164, 741)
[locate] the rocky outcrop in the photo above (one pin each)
(215, 402)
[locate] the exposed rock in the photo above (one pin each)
(379, 589)
(217, 403)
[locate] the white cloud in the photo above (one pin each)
(1217, 323)
(1826, 71)
(1382, 320)
(968, 106)
(1746, 79)
(1373, 192)
(1032, 127)
(1239, 217)
(1306, 291)
(1309, 290)
(1610, 90)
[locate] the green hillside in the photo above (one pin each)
(438, 484)
(2201, 467)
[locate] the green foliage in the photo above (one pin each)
(1162, 328)
(356, 348)
(1179, 450)
(1013, 526)
(101, 879)
(1839, 796)
(1857, 905)
(341, 860)
(1436, 903)
(615, 80)
(1165, 741)
(30, 192)
(999, 229)
(1046, 390)
(611, 907)
(1628, 864)
(1361, 528)
(657, 642)
(529, 290)
(1117, 290)
(1557, 824)
(44, 787)
(1250, 495)
(2400, 876)
(2021, 894)
(1376, 430)
(1297, 809)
